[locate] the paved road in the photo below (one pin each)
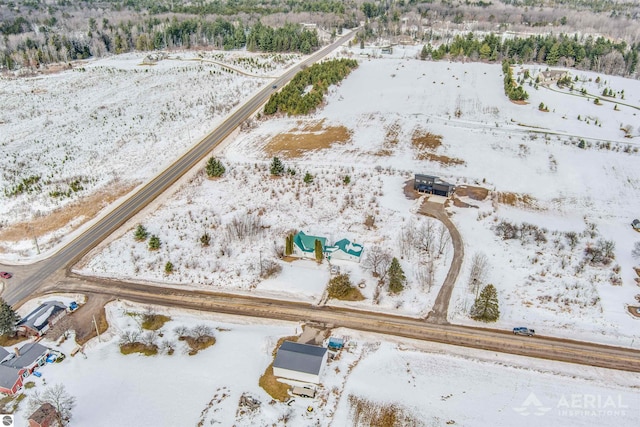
(487, 339)
(439, 312)
(42, 272)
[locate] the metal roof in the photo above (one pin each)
(300, 357)
(307, 243)
(29, 353)
(38, 318)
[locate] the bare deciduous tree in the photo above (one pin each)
(477, 276)
(377, 260)
(129, 336)
(425, 238)
(57, 397)
(443, 239)
(201, 331)
(635, 253)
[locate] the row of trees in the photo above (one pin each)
(306, 90)
(52, 44)
(514, 91)
(597, 54)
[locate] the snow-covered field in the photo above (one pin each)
(109, 125)
(515, 151)
(433, 384)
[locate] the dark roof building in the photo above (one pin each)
(13, 370)
(302, 362)
(45, 416)
(42, 318)
(433, 185)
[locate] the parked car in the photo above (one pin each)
(5, 275)
(524, 331)
(274, 87)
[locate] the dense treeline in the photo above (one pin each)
(49, 46)
(598, 54)
(306, 90)
(514, 91)
(288, 38)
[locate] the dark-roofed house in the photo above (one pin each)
(433, 185)
(15, 368)
(301, 362)
(41, 319)
(45, 416)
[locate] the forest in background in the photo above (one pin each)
(588, 34)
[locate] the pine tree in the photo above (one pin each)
(308, 178)
(287, 245)
(424, 53)
(396, 276)
(168, 267)
(346, 180)
(8, 319)
(485, 308)
(214, 168)
(154, 243)
(205, 239)
(318, 251)
(141, 233)
(277, 168)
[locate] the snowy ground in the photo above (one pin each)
(431, 383)
(486, 140)
(97, 127)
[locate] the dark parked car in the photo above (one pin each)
(5, 275)
(524, 331)
(274, 87)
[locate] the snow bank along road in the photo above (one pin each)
(41, 272)
(486, 339)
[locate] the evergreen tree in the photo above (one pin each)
(141, 233)
(154, 243)
(287, 245)
(277, 168)
(346, 180)
(8, 319)
(168, 267)
(308, 178)
(485, 308)
(214, 168)
(424, 53)
(205, 239)
(396, 276)
(318, 251)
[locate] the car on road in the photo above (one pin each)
(274, 87)
(524, 331)
(5, 275)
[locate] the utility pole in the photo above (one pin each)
(260, 263)
(96, 325)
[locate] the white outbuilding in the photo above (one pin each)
(300, 362)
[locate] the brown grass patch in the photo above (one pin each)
(367, 413)
(197, 344)
(460, 204)
(153, 322)
(515, 199)
(519, 102)
(310, 136)
(423, 140)
(637, 270)
(86, 208)
(384, 152)
(475, 193)
(633, 310)
(273, 387)
(6, 341)
(391, 135)
(426, 144)
(138, 347)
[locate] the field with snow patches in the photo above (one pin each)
(373, 128)
(105, 127)
(429, 383)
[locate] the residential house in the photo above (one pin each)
(301, 362)
(304, 246)
(38, 322)
(14, 368)
(344, 249)
(433, 185)
(45, 416)
(551, 76)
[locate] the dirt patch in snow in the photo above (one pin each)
(314, 135)
(475, 193)
(84, 210)
(515, 199)
(426, 144)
